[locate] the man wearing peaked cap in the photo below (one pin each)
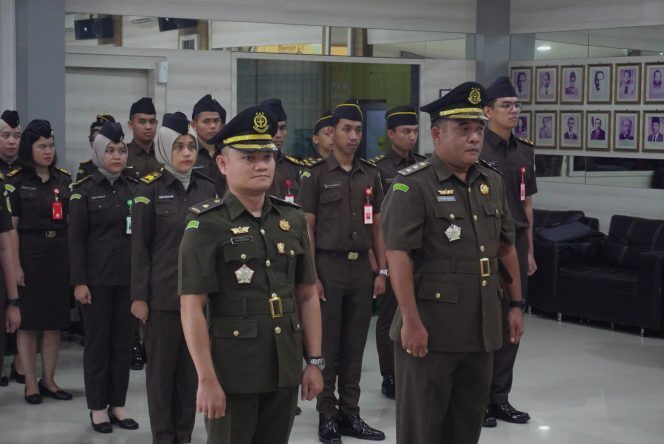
(515, 159)
(87, 168)
(207, 119)
(341, 196)
(143, 124)
(402, 130)
(10, 134)
(287, 173)
(260, 295)
(447, 227)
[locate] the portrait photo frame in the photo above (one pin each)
(598, 130)
(653, 136)
(545, 129)
(599, 83)
(627, 83)
(626, 137)
(523, 127)
(522, 80)
(572, 82)
(546, 87)
(570, 129)
(653, 83)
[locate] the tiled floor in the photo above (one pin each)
(581, 384)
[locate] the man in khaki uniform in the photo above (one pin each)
(447, 225)
(143, 124)
(247, 258)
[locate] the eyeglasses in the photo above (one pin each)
(507, 106)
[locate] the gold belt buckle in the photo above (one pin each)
(49, 234)
(485, 267)
(353, 255)
(276, 307)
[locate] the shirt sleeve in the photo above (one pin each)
(403, 216)
(507, 234)
(12, 199)
(379, 193)
(304, 270)
(531, 186)
(197, 259)
(307, 197)
(142, 229)
(78, 236)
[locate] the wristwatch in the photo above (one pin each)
(16, 302)
(384, 272)
(518, 304)
(318, 361)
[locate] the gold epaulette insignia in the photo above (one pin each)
(414, 167)
(206, 205)
(149, 178)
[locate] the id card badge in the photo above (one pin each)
(368, 208)
(56, 206)
(522, 186)
(128, 223)
(289, 197)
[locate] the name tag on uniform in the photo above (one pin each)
(242, 240)
(23, 187)
(167, 196)
(446, 198)
(98, 197)
(330, 186)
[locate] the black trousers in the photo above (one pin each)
(107, 322)
(170, 378)
(346, 316)
(387, 307)
(504, 358)
(261, 418)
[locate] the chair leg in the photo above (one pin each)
(560, 317)
(643, 332)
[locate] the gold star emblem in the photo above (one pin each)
(240, 230)
(284, 225)
(244, 274)
(484, 189)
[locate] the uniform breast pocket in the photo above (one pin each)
(493, 216)
(242, 261)
(96, 205)
(289, 250)
(452, 220)
(166, 208)
(28, 194)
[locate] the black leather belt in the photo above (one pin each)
(48, 234)
(253, 307)
(484, 266)
(350, 255)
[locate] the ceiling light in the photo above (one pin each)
(544, 428)
(544, 48)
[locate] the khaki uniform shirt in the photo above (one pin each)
(287, 168)
(453, 231)
(241, 262)
(207, 165)
(141, 162)
(391, 163)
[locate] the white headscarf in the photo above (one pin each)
(166, 137)
(98, 149)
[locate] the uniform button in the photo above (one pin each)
(243, 256)
(497, 211)
(482, 248)
(267, 263)
(263, 232)
(277, 330)
(274, 295)
(236, 333)
(297, 326)
(452, 216)
(292, 253)
(437, 296)
(484, 283)
(475, 217)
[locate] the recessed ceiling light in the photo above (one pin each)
(661, 53)
(544, 428)
(544, 48)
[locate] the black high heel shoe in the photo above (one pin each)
(60, 395)
(33, 399)
(127, 423)
(102, 427)
(16, 376)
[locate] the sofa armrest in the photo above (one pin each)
(650, 309)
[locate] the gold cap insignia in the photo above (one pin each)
(284, 225)
(240, 230)
(475, 96)
(446, 192)
(484, 189)
(260, 122)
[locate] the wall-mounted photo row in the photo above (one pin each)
(546, 89)
(545, 129)
(522, 80)
(598, 130)
(653, 131)
(653, 85)
(628, 83)
(571, 129)
(599, 83)
(522, 128)
(626, 131)
(571, 84)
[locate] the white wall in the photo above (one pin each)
(7, 55)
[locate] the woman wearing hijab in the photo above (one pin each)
(38, 200)
(99, 245)
(159, 213)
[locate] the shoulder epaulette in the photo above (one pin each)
(202, 175)
(377, 159)
(414, 167)
(368, 162)
(85, 162)
(488, 165)
(149, 178)
(419, 156)
(79, 182)
(294, 160)
(526, 141)
(63, 171)
(278, 201)
(130, 179)
(206, 205)
(2, 176)
(313, 162)
(14, 172)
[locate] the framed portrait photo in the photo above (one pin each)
(625, 131)
(521, 78)
(545, 129)
(653, 131)
(571, 129)
(546, 89)
(571, 84)
(627, 83)
(598, 87)
(598, 130)
(653, 83)
(522, 128)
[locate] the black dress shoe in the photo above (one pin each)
(137, 356)
(102, 427)
(388, 387)
(298, 410)
(489, 419)
(16, 376)
(328, 429)
(353, 425)
(127, 423)
(507, 413)
(60, 395)
(33, 399)
(4, 381)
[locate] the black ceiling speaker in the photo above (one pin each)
(83, 29)
(103, 28)
(166, 24)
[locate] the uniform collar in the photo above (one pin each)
(140, 151)
(99, 178)
(443, 173)
(397, 160)
(333, 163)
(203, 152)
(495, 140)
(236, 209)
